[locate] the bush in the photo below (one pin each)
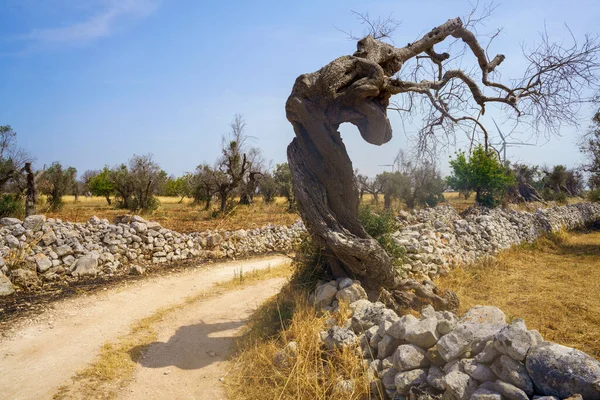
(380, 227)
(11, 205)
(482, 173)
(594, 195)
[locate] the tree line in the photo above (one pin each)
(238, 175)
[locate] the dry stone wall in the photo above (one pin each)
(480, 356)
(437, 238)
(39, 249)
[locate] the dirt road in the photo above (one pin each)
(37, 358)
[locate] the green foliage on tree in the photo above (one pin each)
(178, 187)
(101, 185)
(56, 183)
(482, 173)
(394, 185)
(283, 179)
(268, 187)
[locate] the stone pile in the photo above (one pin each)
(478, 356)
(437, 238)
(39, 249)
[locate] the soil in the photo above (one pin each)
(41, 353)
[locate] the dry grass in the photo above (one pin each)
(552, 284)
(115, 365)
(182, 217)
(311, 374)
(459, 202)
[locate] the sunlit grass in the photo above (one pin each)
(552, 284)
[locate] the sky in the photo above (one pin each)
(91, 82)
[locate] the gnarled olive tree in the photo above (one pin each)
(357, 89)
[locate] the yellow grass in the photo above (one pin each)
(182, 217)
(553, 285)
(311, 373)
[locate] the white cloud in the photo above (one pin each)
(100, 25)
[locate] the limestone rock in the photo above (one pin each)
(513, 372)
(6, 287)
(475, 370)
(485, 394)
(338, 337)
(459, 385)
(42, 262)
(423, 334)
(406, 380)
(8, 221)
(562, 371)
(351, 294)
(409, 356)
(398, 328)
(514, 340)
(325, 294)
(34, 222)
(87, 265)
(386, 346)
(507, 390)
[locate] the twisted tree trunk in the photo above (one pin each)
(353, 89)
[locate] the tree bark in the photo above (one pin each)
(349, 89)
(31, 197)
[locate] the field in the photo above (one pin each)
(182, 217)
(553, 285)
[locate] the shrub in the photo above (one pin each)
(11, 205)
(594, 195)
(380, 227)
(482, 173)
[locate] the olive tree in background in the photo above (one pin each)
(283, 180)
(203, 185)
(147, 179)
(56, 182)
(99, 183)
(234, 164)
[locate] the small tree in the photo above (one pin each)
(146, 178)
(233, 165)
(178, 187)
(120, 180)
(283, 180)
(374, 187)
(482, 173)
(425, 186)
(100, 184)
(57, 182)
(267, 187)
(203, 185)
(394, 186)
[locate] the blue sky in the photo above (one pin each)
(91, 82)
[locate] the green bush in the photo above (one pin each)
(380, 227)
(11, 205)
(594, 195)
(483, 173)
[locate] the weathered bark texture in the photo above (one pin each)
(353, 89)
(31, 195)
